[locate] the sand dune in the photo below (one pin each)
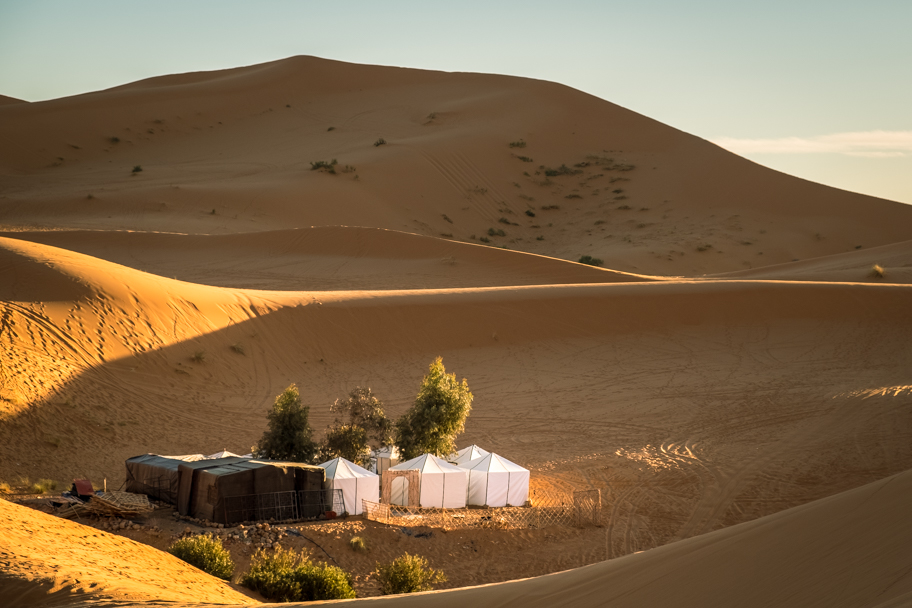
(324, 259)
(170, 262)
(852, 267)
(48, 561)
(230, 152)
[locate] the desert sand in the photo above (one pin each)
(734, 378)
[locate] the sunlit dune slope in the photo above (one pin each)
(49, 561)
(714, 402)
(231, 152)
(895, 262)
(329, 258)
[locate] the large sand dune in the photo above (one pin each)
(230, 151)
(703, 379)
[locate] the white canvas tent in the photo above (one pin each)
(383, 458)
(494, 481)
(356, 483)
(467, 454)
(442, 484)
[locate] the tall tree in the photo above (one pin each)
(360, 421)
(288, 436)
(437, 416)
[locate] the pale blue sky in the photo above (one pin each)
(793, 77)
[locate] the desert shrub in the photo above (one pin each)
(238, 348)
(540, 238)
(496, 232)
(206, 553)
(114, 140)
(137, 168)
(437, 416)
(288, 436)
(588, 259)
(573, 196)
(504, 220)
(550, 207)
(331, 129)
(562, 170)
(43, 486)
(380, 142)
(286, 576)
(322, 165)
(518, 144)
(525, 159)
(407, 574)
(877, 271)
(198, 357)
(358, 544)
(484, 239)
(5, 488)
(530, 213)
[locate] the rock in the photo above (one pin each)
(187, 530)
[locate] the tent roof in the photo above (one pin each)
(427, 463)
(340, 468)
(223, 454)
(387, 451)
(468, 453)
(492, 463)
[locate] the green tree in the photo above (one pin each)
(288, 436)
(360, 421)
(437, 416)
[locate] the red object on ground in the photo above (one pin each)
(330, 515)
(83, 487)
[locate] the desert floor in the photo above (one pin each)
(736, 378)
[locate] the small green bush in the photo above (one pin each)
(380, 142)
(407, 574)
(588, 259)
(496, 232)
(205, 553)
(137, 168)
(198, 357)
(322, 165)
(525, 159)
(358, 544)
(286, 576)
(530, 213)
(518, 144)
(877, 271)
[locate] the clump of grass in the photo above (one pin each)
(380, 142)
(525, 159)
(588, 259)
(331, 129)
(407, 574)
(484, 239)
(540, 237)
(445, 217)
(877, 271)
(504, 220)
(573, 196)
(198, 357)
(624, 207)
(322, 165)
(358, 544)
(137, 168)
(5, 488)
(114, 139)
(286, 576)
(704, 247)
(238, 348)
(518, 144)
(206, 553)
(530, 213)
(550, 207)
(496, 232)
(562, 170)
(43, 486)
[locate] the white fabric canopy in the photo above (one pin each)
(442, 484)
(467, 454)
(494, 481)
(223, 454)
(356, 483)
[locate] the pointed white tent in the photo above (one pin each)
(467, 454)
(442, 484)
(356, 483)
(494, 481)
(223, 454)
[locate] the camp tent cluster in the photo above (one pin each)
(471, 476)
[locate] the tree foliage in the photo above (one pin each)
(288, 436)
(360, 421)
(437, 416)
